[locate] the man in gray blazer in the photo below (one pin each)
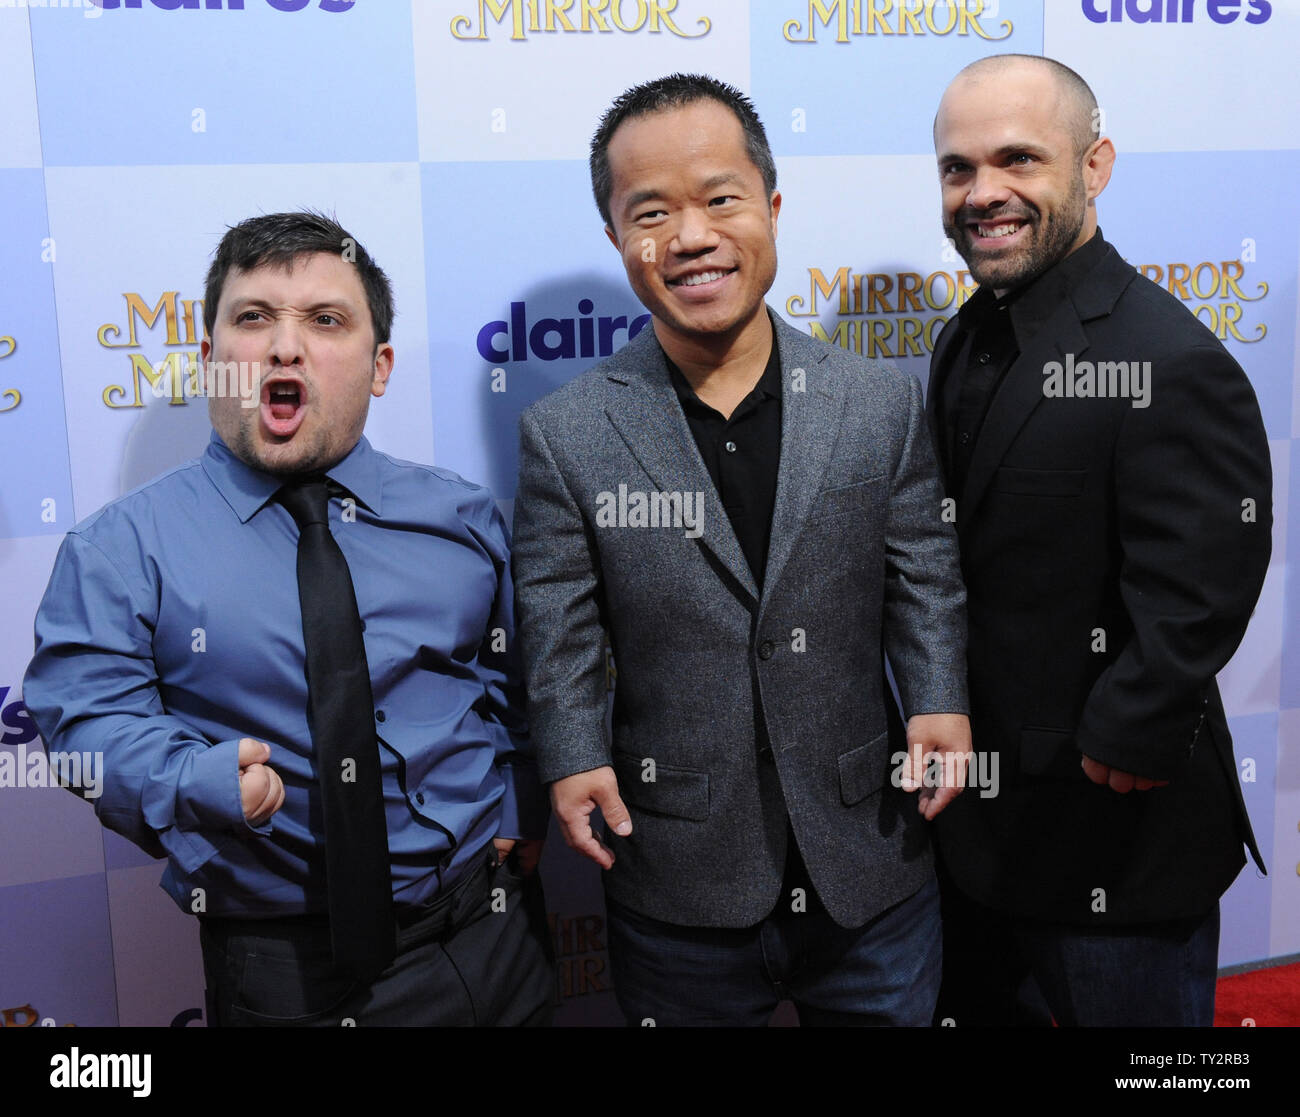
(753, 521)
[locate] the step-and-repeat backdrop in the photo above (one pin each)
(451, 137)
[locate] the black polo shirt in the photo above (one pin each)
(742, 454)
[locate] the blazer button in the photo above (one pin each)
(767, 650)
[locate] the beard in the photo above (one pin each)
(1049, 239)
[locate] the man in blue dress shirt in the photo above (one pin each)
(170, 640)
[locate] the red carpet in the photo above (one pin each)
(1269, 996)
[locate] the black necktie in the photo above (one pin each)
(340, 714)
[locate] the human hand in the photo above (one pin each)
(946, 736)
(1123, 782)
(528, 852)
(575, 797)
(260, 789)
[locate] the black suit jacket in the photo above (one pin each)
(1112, 555)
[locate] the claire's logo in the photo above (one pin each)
(16, 724)
(555, 339)
(1177, 11)
(216, 5)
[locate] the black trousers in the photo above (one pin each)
(1003, 971)
(479, 955)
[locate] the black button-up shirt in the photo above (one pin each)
(993, 333)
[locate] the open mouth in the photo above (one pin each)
(991, 231)
(283, 405)
(700, 279)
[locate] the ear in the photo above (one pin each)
(1097, 165)
(205, 351)
(383, 369)
(613, 238)
(774, 204)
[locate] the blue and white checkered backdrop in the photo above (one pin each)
(450, 137)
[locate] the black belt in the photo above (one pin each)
(446, 912)
(436, 919)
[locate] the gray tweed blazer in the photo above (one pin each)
(620, 535)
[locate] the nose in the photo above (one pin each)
(286, 343)
(987, 188)
(695, 232)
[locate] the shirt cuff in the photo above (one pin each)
(208, 794)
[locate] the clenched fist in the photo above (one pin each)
(260, 788)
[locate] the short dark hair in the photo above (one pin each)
(279, 239)
(673, 92)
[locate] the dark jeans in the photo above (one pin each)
(1003, 971)
(883, 973)
(461, 961)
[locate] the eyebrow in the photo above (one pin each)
(1005, 149)
(249, 302)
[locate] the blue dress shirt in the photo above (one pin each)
(171, 628)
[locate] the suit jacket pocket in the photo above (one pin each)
(1039, 482)
(661, 788)
(859, 498)
(863, 770)
(1049, 754)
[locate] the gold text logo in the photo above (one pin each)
(1212, 291)
(177, 374)
(882, 314)
(897, 17)
(583, 17)
(9, 397)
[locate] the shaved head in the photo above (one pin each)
(1021, 162)
(1076, 105)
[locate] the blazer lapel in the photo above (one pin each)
(939, 370)
(1020, 392)
(939, 373)
(810, 424)
(651, 422)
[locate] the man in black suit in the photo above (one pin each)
(1112, 491)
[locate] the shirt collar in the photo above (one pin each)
(247, 490)
(768, 386)
(1031, 304)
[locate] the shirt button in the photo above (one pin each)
(983, 358)
(419, 797)
(730, 447)
(765, 652)
(380, 715)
